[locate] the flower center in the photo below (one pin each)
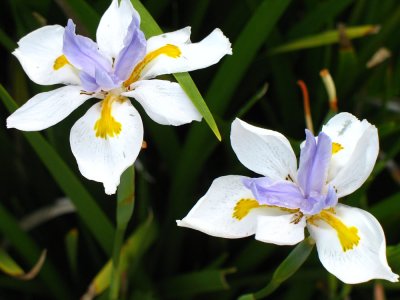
(107, 126)
(348, 236)
(169, 50)
(60, 62)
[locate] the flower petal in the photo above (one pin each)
(280, 229)
(345, 131)
(218, 212)
(314, 163)
(113, 27)
(46, 109)
(189, 57)
(105, 158)
(263, 151)
(359, 165)
(353, 247)
(164, 101)
(38, 52)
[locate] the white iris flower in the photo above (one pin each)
(280, 205)
(108, 138)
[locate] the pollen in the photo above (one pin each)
(348, 236)
(243, 207)
(336, 147)
(168, 50)
(60, 62)
(107, 126)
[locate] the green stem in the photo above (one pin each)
(125, 205)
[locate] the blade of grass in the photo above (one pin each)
(28, 249)
(325, 38)
(86, 206)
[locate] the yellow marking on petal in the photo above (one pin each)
(169, 50)
(348, 236)
(107, 126)
(336, 147)
(243, 207)
(60, 62)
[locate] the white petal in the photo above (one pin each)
(365, 261)
(113, 27)
(280, 229)
(37, 53)
(105, 159)
(345, 130)
(214, 212)
(46, 109)
(359, 165)
(192, 56)
(164, 101)
(263, 151)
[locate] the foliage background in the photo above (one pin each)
(179, 164)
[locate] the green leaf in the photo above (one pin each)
(286, 269)
(86, 206)
(325, 38)
(150, 28)
(191, 284)
(131, 253)
(9, 266)
(71, 242)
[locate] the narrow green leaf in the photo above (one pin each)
(86, 206)
(131, 253)
(286, 269)
(191, 284)
(8, 265)
(150, 28)
(325, 38)
(71, 243)
(28, 249)
(6, 42)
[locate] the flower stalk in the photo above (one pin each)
(125, 205)
(307, 108)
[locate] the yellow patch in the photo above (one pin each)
(60, 62)
(348, 236)
(336, 147)
(169, 50)
(107, 126)
(243, 207)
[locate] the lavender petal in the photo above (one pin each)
(133, 51)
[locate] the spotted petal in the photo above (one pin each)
(218, 212)
(346, 132)
(164, 101)
(103, 154)
(46, 109)
(38, 52)
(263, 151)
(186, 56)
(351, 245)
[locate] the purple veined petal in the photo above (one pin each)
(105, 80)
(314, 163)
(83, 53)
(280, 193)
(331, 198)
(134, 50)
(88, 82)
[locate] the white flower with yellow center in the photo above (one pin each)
(108, 138)
(277, 207)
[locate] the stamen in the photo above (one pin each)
(348, 236)
(60, 62)
(169, 50)
(307, 109)
(330, 88)
(107, 126)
